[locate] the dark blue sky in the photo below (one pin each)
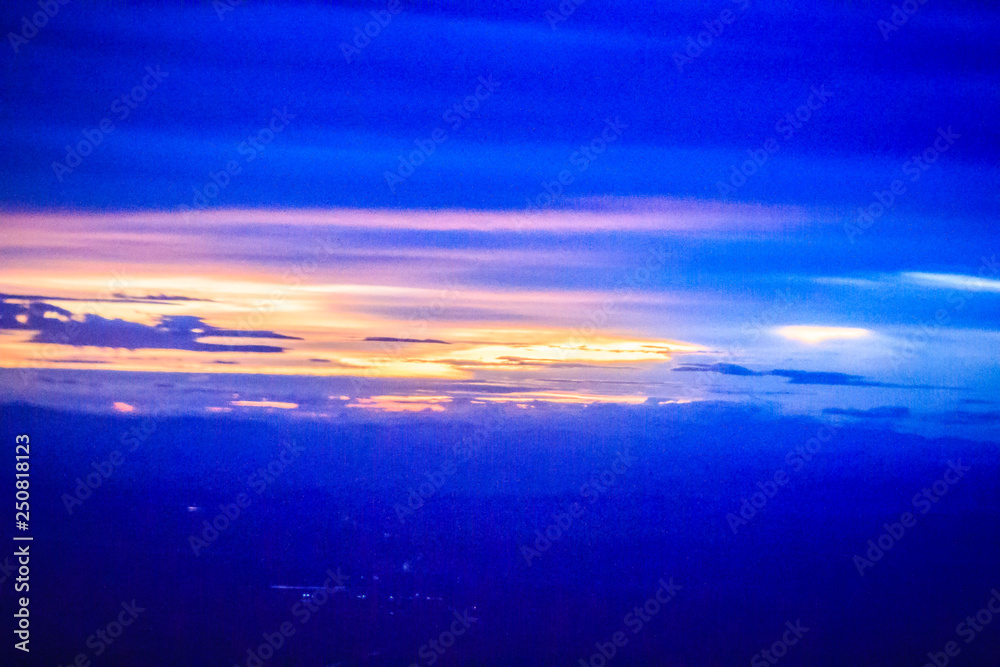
(556, 86)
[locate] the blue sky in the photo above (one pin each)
(247, 140)
(555, 88)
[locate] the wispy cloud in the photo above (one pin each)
(953, 281)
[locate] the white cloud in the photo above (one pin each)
(953, 281)
(820, 334)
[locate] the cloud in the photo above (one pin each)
(520, 362)
(33, 316)
(886, 412)
(954, 281)
(118, 297)
(951, 281)
(486, 388)
(820, 334)
(826, 378)
(282, 405)
(865, 283)
(725, 369)
(391, 403)
(967, 418)
(80, 361)
(156, 297)
(793, 376)
(385, 339)
(56, 325)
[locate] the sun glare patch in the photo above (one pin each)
(817, 334)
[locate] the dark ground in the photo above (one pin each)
(665, 516)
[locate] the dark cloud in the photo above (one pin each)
(53, 324)
(32, 316)
(886, 412)
(79, 361)
(826, 378)
(385, 339)
(157, 297)
(118, 298)
(967, 418)
(455, 313)
(571, 381)
(793, 376)
(725, 369)
(521, 362)
(486, 388)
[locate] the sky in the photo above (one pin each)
(631, 203)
